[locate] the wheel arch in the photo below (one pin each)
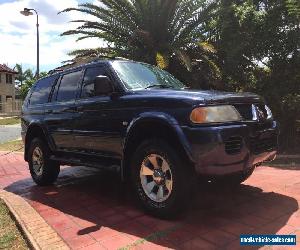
(34, 130)
(150, 125)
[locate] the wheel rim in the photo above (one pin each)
(156, 178)
(37, 161)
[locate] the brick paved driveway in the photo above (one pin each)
(91, 209)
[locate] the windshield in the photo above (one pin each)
(143, 76)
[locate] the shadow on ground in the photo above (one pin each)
(94, 206)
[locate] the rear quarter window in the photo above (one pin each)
(41, 90)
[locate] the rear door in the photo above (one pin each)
(61, 112)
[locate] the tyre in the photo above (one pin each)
(43, 170)
(161, 179)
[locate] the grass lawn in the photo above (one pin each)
(12, 146)
(10, 237)
(10, 121)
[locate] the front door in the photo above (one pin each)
(95, 130)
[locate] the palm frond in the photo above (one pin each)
(206, 46)
(149, 30)
(194, 23)
(185, 59)
(162, 61)
(213, 66)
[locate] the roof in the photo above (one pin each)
(4, 68)
(90, 61)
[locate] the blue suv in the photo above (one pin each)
(142, 119)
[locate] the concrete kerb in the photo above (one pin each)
(19, 210)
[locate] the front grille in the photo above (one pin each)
(245, 110)
(262, 107)
(263, 145)
(233, 145)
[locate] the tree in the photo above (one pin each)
(23, 75)
(258, 49)
(153, 31)
(28, 83)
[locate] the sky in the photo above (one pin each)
(18, 33)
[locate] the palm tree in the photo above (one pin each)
(30, 79)
(153, 31)
(20, 77)
(23, 75)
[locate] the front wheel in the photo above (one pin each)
(43, 170)
(160, 178)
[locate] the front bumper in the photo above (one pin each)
(222, 150)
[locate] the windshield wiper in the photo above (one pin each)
(158, 85)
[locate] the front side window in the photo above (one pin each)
(142, 76)
(42, 90)
(68, 86)
(89, 80)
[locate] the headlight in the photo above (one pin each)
(211, 114)
(269, 112)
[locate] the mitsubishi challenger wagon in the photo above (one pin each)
(136, 116)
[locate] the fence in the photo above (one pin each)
(11, 107)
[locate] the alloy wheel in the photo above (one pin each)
(37, 161)
(156, 177)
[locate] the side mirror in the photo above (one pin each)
(102, 86)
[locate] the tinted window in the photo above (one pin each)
(68, 86)
(42, 90)
(88, 81)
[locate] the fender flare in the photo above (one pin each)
(163, 119)
(31, 126)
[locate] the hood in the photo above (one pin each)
(199, 96)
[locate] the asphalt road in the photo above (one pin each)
(9, 132)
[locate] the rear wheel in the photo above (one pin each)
(43, 170)
(160, 178)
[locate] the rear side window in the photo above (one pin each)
(68, 86)
(41, 90)
(89, 80)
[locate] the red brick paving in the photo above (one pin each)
(91, 209)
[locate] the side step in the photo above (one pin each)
(105, 163)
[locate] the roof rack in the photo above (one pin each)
(53, 71)
(71, 64)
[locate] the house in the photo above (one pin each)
(7, 88)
